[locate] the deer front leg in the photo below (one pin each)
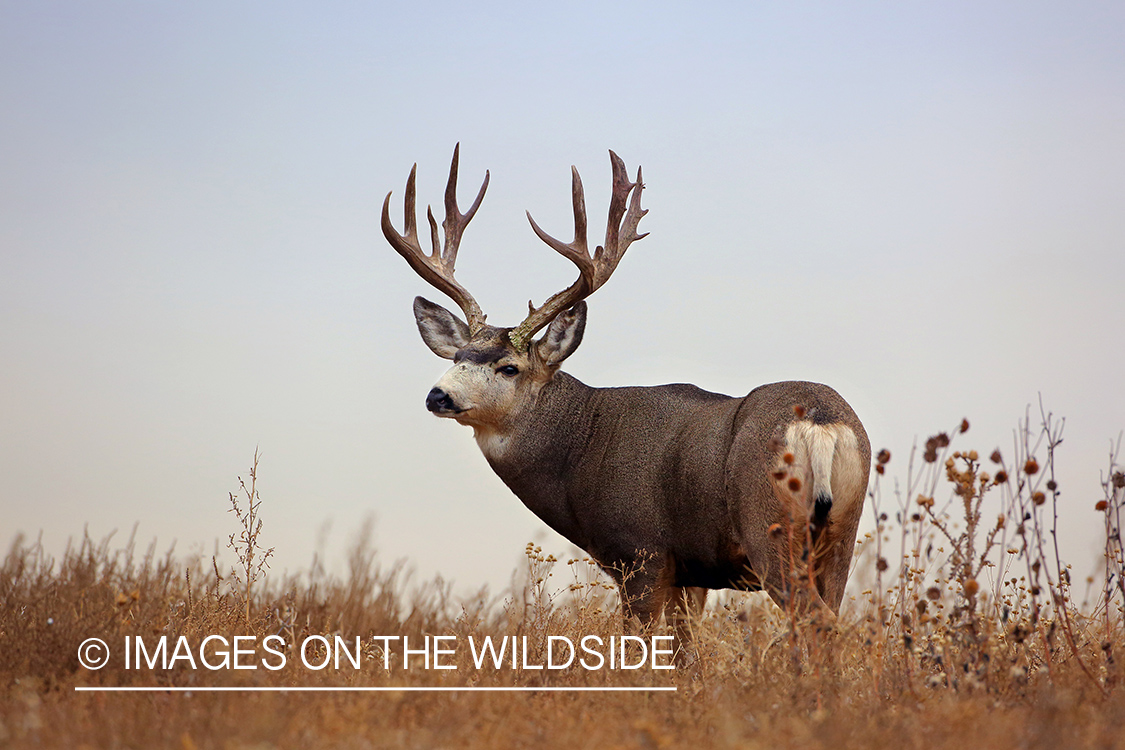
(643, 598)
(648, 592)
(687, 606)
(646, 586)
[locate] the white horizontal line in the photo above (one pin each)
(333, 689)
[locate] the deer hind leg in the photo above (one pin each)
(818, 480)
(646, 587)
(849, 473)
(683, 614)
(787, 558)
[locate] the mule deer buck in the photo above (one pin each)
(671, 489)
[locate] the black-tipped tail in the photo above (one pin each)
(821, 508)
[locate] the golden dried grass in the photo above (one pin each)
(967, 635)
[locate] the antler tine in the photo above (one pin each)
(576, 250)
(410, 220)
(620, 234)
(455, 221)
(592, 271)
(437, 267)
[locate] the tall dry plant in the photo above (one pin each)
(253, 560)
(979, 594)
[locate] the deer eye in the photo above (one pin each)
(509, 370)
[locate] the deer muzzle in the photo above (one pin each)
(439, 402)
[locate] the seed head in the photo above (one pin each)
(939, 440)
(996, 457)
(794, 484)
(1038, 497)
(884, 456)
(1031, 467)
(964, 425)
(1101, 505)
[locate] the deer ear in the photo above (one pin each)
(442, 331)
(563, 335)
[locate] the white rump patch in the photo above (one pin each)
(827, 457)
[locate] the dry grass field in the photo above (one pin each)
(964, 629)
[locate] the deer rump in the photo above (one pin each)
(671, 487)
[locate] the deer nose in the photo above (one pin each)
(438, 400)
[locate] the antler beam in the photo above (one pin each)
(621, 231)
(437, 267)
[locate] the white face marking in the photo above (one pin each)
(485, 397)
(467, 384)
(491, 388)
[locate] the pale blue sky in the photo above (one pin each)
(919, 205)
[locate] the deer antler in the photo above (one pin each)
(592, 271)
(437, 267)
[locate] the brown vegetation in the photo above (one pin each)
(967, 633)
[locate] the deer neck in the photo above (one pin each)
(544, 428)
(535, 454)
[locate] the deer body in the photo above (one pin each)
(672, 489)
